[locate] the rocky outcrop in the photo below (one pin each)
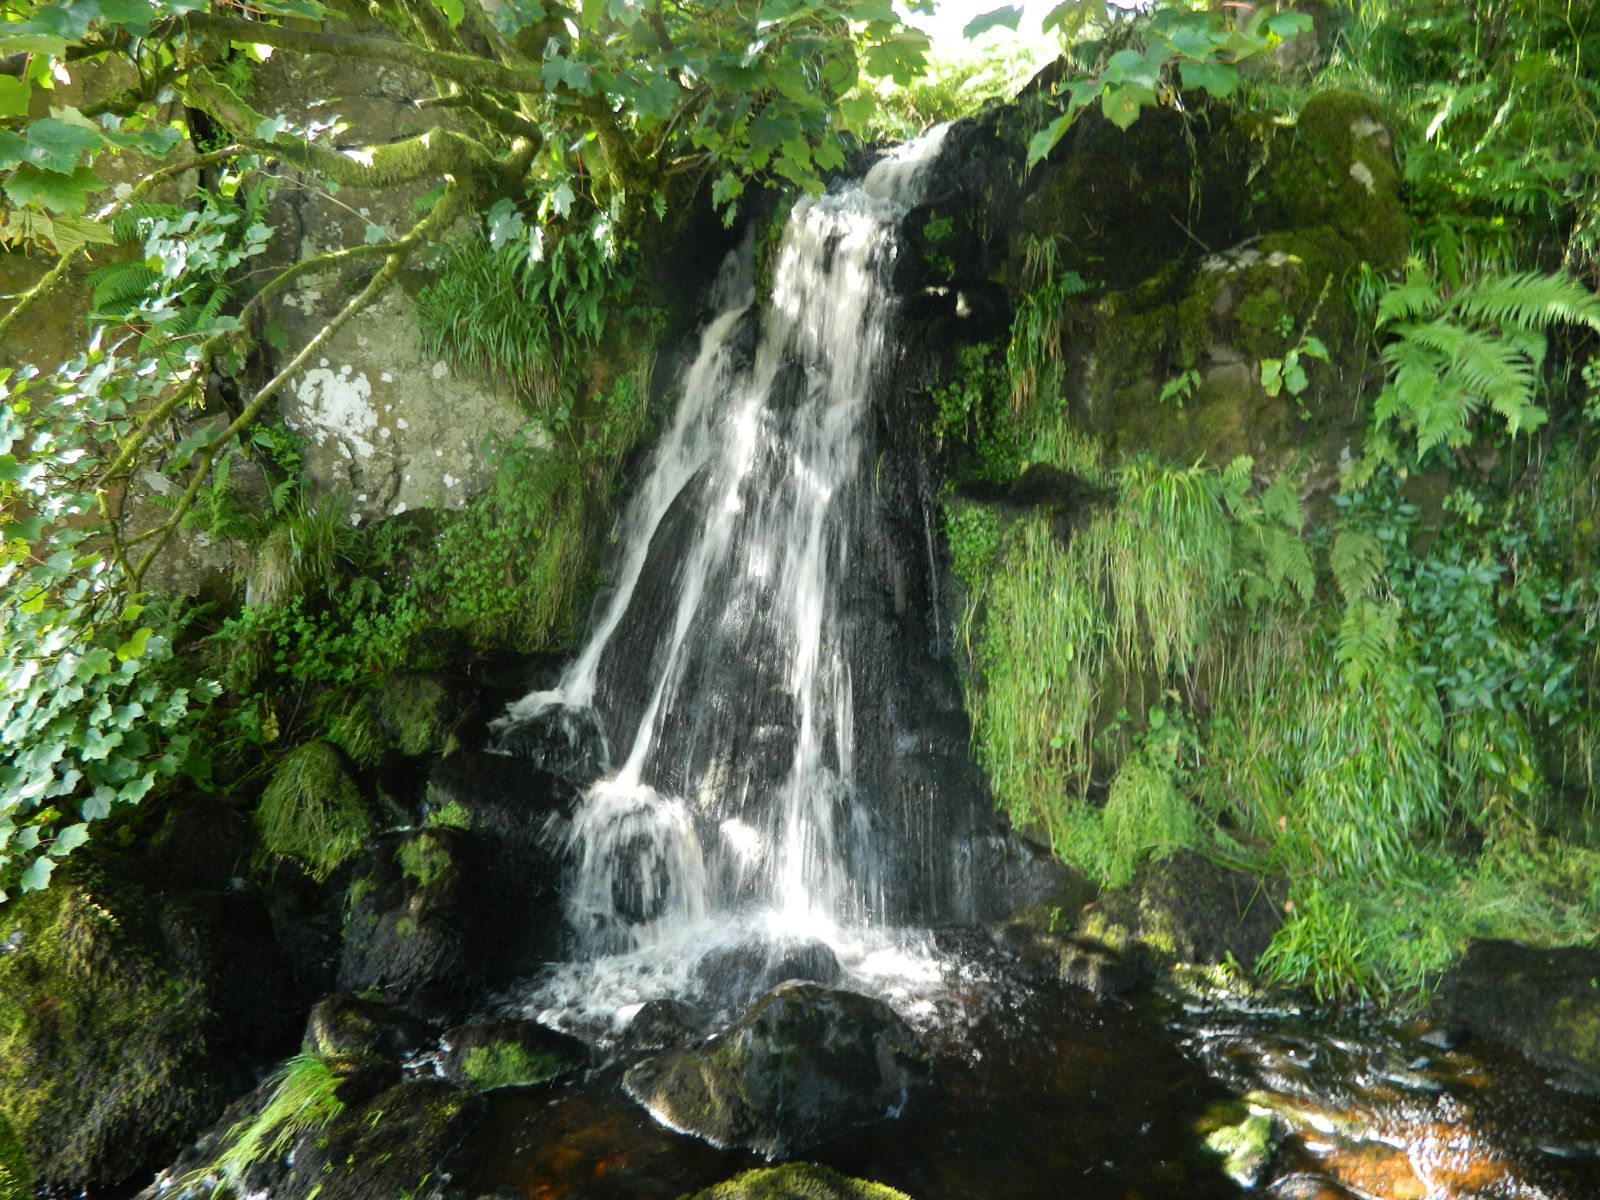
(1545, 1004)
(805, 1063)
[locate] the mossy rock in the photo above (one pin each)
(202, 841)
(797, 1181)
(16, 1179)
(1336, 168)
(421, 712)
(413, 916)
(353, 1027)
(313, 811)
(509, 1053)
(391, 1145)
(1188, 909)
(122, 1029)
(1545, 1004)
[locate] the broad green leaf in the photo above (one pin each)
(1043, 142)
(37, 877)
(13, 97)
(134, 646)
(1219, 79)
(1004, 17)
(1121, 105)
(69, 839)
(57, 193)
(55, 144)
(1289, 24)
(452, 9)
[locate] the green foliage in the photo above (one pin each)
(955, 84)
(304, 1100)
(1176, 48)
(450, 815)
(1034, 353)
(312, 811)
(16, 1179)
(1458, 351)
(507, 1064)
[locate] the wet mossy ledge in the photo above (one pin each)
(797, 1181)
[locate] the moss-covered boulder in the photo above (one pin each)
(392, 1145)
(804, 1064)
(16, 1179)
(412, 914)
(1545, 1004)
(354, 1027)
(129, 1016)
(509, 1053)
(1336, 168)
(797, 1181)
(1188, 909)
(421, 712)
(313, 811)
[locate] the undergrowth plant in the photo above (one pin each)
(304, 1100)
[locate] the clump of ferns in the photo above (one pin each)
(304, 1100)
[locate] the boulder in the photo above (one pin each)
(567, 742)
(129, 1016)
(804, 1064)
(421, 712)
(1544, 1004)
(797, 1181)
(740, 973)
(509, 1053)
(1188, 909)
(353, 1027)
(661, 1024)
(414, 915)
(313, 811)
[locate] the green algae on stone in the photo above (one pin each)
(312, 811)
(507, 1065)
(797, 1181)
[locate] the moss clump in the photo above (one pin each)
(418, 712)
(312, 811)
(16, 1180)
(797, 1181)
(507, 1064)
(424, 858)
(1246, 1148)
(452, 814)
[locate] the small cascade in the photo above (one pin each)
(725, 667)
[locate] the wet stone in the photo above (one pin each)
(740, 973)
(568, 742)
(661, 1024)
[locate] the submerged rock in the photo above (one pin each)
(797, 1181)
(804, 1064)
(1545, 1004)
(1080, 961)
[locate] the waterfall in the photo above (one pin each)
(721, 667)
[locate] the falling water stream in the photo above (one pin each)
(744, 823)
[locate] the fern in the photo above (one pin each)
(1355, 560)
(120, 287)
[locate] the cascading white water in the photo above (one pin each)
(671, 858)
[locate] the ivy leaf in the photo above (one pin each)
(50, 190)
(69, 839)
(1004, 17)
(37, 877)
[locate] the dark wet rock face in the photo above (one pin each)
(804, 1064)
(1187, 909)
(568, 742)
(1080, 961)
(1545, 1004)
(661, 1024)
(415, 915)
(347, 1026)
(738, 974)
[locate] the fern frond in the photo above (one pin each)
(1366, 634)
(119, 287)
(1416, 297)
(1355, 560)
(1529, 301)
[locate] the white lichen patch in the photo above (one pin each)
(1362, 174)
(337, 405)
(440, 370)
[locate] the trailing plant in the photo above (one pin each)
(304, 1100)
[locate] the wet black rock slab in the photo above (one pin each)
(804, 1064)
(1545, 1004)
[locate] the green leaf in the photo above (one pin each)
(69, 839)
(1219, 79)
(13, 97)
(1121, 105)
(56, 192)
(1004, 17)
(452, 9)
(37, 877)
(134, 646)
(1272, 376)
(58, 145)
(1043, 142)
(1289, 24)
